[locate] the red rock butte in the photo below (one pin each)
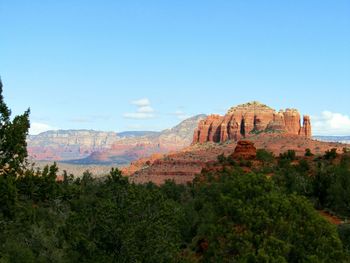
(245, 150)
(251, 118)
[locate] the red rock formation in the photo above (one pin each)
(250, 118)
(208, 129)
(214, 130)
(292, 121)
(245, 150)
(305, 130)
(277, 124)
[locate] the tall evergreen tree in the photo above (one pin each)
(13, 133)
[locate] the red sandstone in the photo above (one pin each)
(251, 118)
(245, 150)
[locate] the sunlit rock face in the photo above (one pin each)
(251, 118)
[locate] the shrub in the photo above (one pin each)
(264, 156)
(308, 152)
(288, 155)
(221, 158)
(331, 154)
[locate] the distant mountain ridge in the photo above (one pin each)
(130, 149)
(136, 133)
(88, 146)
(340, 139)
(68, 144)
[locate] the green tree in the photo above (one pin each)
(221, 158)
(264, 156)
(308, 152)
(330, 154)
(344, 234)
(288, 155)
(13, 133)
(245, 218)
(338, 197)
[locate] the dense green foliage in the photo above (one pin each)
(227, 216)
(264, 156)
(13, 151)
(325, 182)
(235, 216)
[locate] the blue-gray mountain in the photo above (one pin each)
(341, 139)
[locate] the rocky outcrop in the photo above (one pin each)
(96, 147)
(251, 118)
(306, 128)
(245, 150)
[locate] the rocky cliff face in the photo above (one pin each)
(251, 118)
(132, 148)
(85, 138)
(68, 144)
(96, 147)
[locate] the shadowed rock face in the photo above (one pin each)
(245, 150)
(251, 118)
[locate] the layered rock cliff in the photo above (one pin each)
(129, 149)
(97, 147)
(251, 118)
(68, 144)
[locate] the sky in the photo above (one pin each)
(146, 65)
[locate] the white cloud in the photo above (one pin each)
(138, 115)
(330, 123)
(37, 127)
(141, 102)
(143, 111)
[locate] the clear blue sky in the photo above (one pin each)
(141, 65)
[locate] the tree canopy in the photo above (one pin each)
(13, 133)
